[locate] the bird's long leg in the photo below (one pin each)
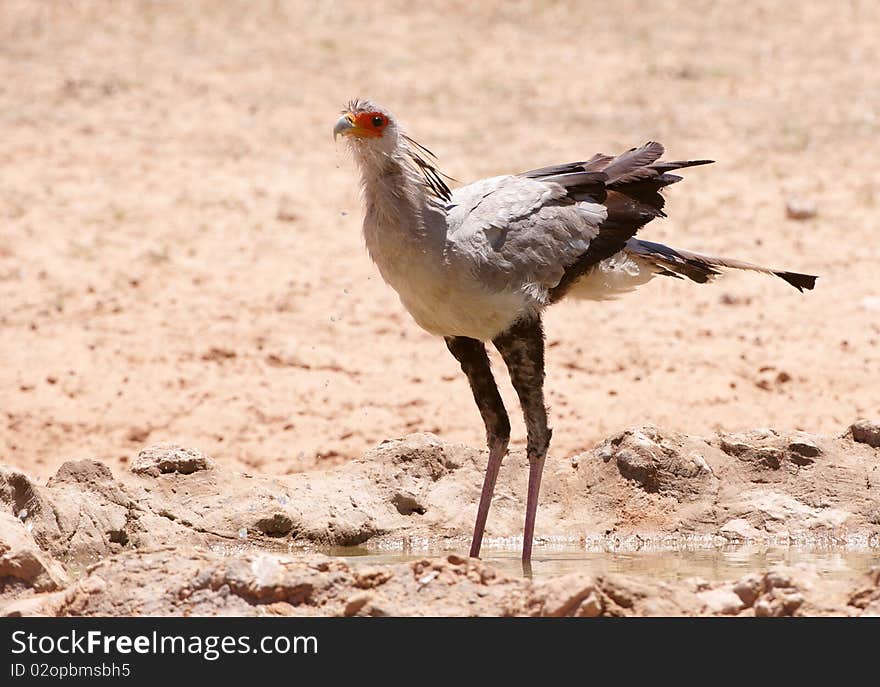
(471, 355)
(522, 347)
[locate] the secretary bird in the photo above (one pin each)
(481, 263)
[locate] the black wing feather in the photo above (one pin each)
(627, 185)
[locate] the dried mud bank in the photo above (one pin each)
(178, 534)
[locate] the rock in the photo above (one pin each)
(740, 529)
(31, 606)
(748, 588)
(164, 458)
(777, 579)
(657, 462)
(82, 472)
(276, 525)
(777, 604)
(866, 432)
(776, 510)
(624, 595)
(591, 607)
(22, 564)
(768, 449)
(867, 598)
(74, 521)
(872, 610)
(800, 209)
(566, 596)
(721, 601)
(356, 602)
(803, 451)
(780, 595)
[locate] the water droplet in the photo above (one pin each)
(242, 533)
(22, 514)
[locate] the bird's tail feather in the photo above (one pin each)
(704, 268)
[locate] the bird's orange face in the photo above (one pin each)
(361, 124)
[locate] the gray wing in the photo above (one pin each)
(544, 229)
(516, 232)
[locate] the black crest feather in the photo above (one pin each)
(424, 159)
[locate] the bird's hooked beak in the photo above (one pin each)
(345, 126)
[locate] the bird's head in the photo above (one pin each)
(367, 127)
(374, 136)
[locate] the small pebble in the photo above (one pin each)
(800, 209)
(425, 579)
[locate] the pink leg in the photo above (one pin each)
(522, 347)
(536, 467)
(497, 450)
(471, 354)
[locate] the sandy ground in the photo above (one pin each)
(180, 249)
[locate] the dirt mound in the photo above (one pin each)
(642, 486)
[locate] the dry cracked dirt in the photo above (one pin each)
(88, 542)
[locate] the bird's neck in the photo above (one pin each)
(398, 207)
(404, 232)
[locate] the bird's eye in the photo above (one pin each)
(378, 121)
